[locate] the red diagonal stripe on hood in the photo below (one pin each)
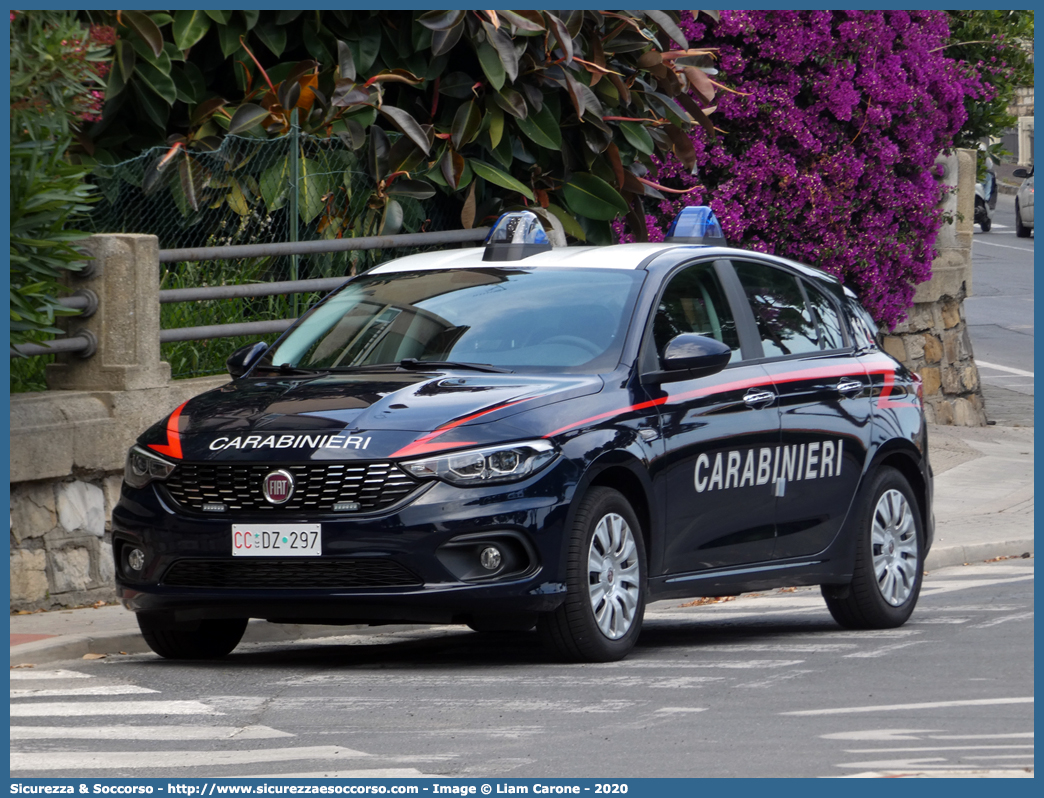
(173, 447)
(423, 444)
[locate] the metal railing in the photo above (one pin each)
(85, 343)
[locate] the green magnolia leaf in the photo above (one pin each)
(489, 60)
(250, 18)
(592, 197)
(196, 80)
(377, 154)
(189, 28)
(417, 189)
(288, 93)
(229, 35)
(161, 84)
(529, 21)
(369, 45)
(237, 200)
(568, 221)
(156, 109)
(185, 90)
(408, 125)
(314, 186)
(466, 124)
(561, 33)
(345, 61)
(442, 41)
(441, 20)
(495, 176)
(145, 28)
(193, 177)
(505, 49)
(221, 17)
(512, 102)
(457, 85)
(496, 125)
(391, 223)
(668, 26)
(125, 61)
(503, 152)
(272, 36)
(542, 128)
(638, 137)
(275, 184)
(246, 116)
(452, 166)
(161, 61)
(206, 109)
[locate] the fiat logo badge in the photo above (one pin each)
(278, 487)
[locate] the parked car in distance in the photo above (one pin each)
(518, 435)
(1024, 203)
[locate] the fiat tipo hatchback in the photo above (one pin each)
(519, 435)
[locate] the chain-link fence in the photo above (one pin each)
(251, 191)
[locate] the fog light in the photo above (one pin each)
(490, 558)
(136, 559)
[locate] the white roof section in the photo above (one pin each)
(618, 256)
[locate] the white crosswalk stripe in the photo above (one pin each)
(69, 692)
(322, 761)
(171, 732)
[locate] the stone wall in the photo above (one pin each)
(67, 450)
(68, 444)
(934, 341)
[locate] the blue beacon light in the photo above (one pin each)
(696, 224)
(516, 235)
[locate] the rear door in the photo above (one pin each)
(824, 404)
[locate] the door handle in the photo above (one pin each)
(850, 387)
(758, 398)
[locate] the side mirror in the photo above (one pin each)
(240, 361)
(1022, 173)
(689, 356)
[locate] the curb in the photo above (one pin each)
(75, 647)
(946, 556)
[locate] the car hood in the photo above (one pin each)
(355, 416)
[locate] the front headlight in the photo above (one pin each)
(143, 466)
(492, 464)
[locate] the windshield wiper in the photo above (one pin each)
(286, 368)
(413, 364)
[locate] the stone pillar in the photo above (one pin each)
(125, 276)
(933, 340)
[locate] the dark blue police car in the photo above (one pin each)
(517, 435)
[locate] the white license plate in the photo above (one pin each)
(276, 540)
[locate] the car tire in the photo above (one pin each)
(601, 617)
(889, 557)
(213, 639)
(982, 215)
(1021, 230)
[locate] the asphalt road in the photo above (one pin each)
(1000, 317)
(764, 685)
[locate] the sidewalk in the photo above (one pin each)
(983, 509)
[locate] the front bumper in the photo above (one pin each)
(414, 561)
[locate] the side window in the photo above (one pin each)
(784, 321)
(693, 302)
(830, 325)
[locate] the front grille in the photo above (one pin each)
(317, 488)
(298, 573)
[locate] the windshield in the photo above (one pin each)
(551, 319)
